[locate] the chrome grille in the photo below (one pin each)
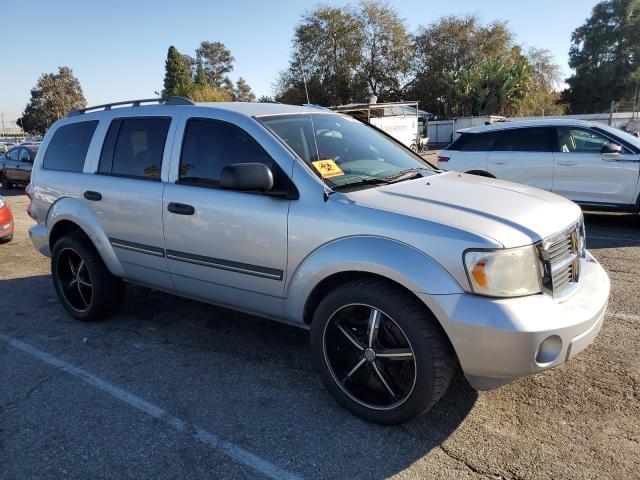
(562, 255)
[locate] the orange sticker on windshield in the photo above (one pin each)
(328, 168)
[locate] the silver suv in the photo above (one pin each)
(402, 272)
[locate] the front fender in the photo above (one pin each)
(75, 211)
(389, 258)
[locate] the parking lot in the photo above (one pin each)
(171, 388)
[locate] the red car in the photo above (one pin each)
(6, 221)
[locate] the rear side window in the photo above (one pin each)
(134, 147)
(523, 140)
(211, 145)
(67, 149)
(475, 142)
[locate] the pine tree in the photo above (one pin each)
(177, 77)
(242, 92)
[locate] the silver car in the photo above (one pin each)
(401, 272)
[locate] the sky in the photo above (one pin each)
(117, 48)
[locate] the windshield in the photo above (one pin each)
(349, 153)
(627, 137)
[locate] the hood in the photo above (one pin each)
(509, 213)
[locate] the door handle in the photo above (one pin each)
(181, 209)
(498, 162)
(93, 196)
(567, 163)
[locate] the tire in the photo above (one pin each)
(4, 181)
(88, 292)
(391, 386)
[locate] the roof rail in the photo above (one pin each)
(134, 103)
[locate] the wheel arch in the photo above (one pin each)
(345, 259)
(68, 215)
(480, 173)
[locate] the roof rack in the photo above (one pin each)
(134, 103)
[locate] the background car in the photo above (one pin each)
(6, 221)
(16, 165)
(592, 164)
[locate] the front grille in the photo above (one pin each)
(561, 256)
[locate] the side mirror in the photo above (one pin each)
(247, 177)
(611, 148)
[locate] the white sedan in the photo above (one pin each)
(590, 163)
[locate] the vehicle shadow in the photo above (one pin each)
(250, 380)
(612, 230)
(12, 192)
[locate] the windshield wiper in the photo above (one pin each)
(364, 181)
(402, 175)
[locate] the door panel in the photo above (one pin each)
(583, 174)
(224, 246)
(233, 239)
(129, 210)
(523, 155)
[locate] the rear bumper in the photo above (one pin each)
(497, 340)
(40, 239)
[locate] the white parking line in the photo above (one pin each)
(238, 454)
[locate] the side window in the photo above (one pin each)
(24, 155)
(134, 147)
(523, 140)
(68, 147)
(13, 154)
(211, 145)
(575, 140)
(478, 142)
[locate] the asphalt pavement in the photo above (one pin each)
(171, 388)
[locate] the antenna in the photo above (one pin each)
(325, 191)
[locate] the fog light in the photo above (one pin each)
(549, 350)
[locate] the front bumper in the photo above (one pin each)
(497, 340)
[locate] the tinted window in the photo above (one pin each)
(477, 142)
(13, 154)
(25, 155)
(209, 146)
(68, 147)
(574, 140)
(134, 147)
(523, 140)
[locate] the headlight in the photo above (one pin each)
(512, 272)
(2, 204)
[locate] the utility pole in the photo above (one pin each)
(2, 122)
(611, 112)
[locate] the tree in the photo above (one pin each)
(242, 92)
(544, 96)
(387, 50)
(327, 49)
(200, 77)
(605, 51)
(453, 44)
(177, 76)
(51, 99)
(217, 61)
(265, 99)
(207, 93)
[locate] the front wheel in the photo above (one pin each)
(380, 352)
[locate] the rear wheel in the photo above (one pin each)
(83, 283)
(380, 352)
(4, 181)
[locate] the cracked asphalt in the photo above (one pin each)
(249, 383)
